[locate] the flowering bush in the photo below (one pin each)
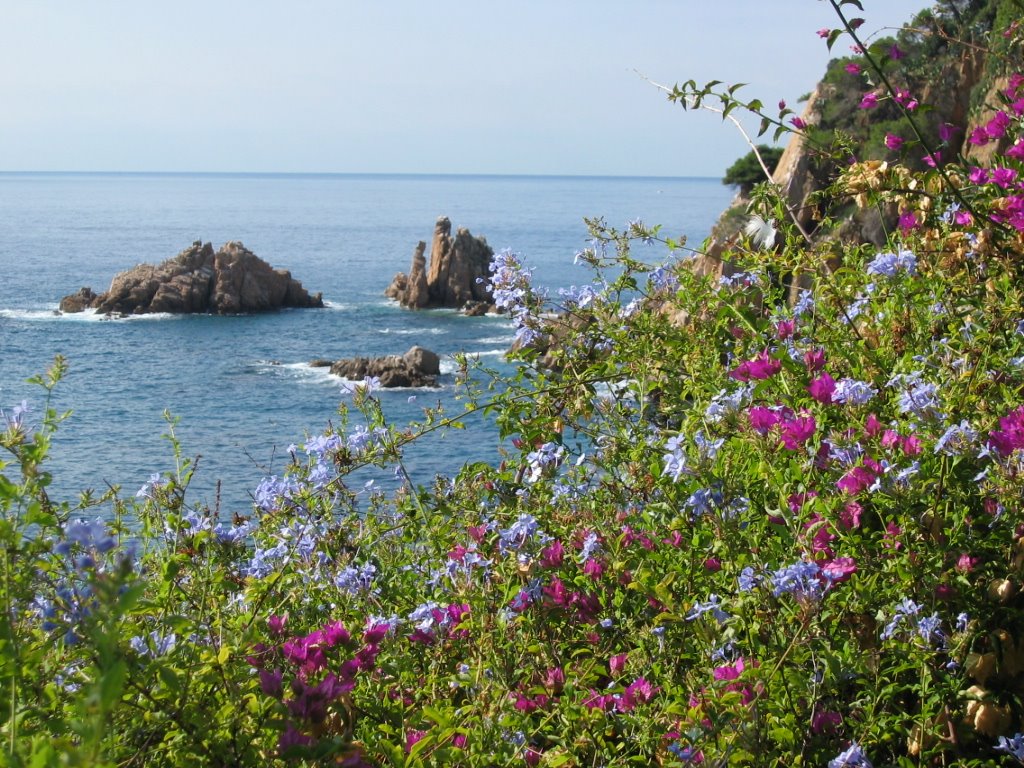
(729, 529)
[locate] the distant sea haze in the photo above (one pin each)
(241, 385)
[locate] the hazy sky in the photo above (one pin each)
(445, 86)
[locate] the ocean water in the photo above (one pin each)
(241, 386)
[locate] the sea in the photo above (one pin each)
(239, 389)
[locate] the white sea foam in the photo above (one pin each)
(304, 373)
(413, 331)
(85, 316)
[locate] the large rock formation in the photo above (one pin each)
(232, 280)
(457, 275)
(418, 367)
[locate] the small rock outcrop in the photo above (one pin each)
(456, 276)
(418, 367)
(232, 280)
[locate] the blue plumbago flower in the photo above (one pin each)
(901, 478)
(664, 279)
(852, 392)
(857, 306)
(321, 446)
(675, 459)
(525, 530)
(637, 228)
(707, 448)
(155, 644)
(846, 455)
(234, 534)
(580, 298)
(802, 579)
(852, 757)
(90, 535)
(748, 579)
(918, 398)
(15, 420)
(804, 304)
(548, 455)
(423, 615)
(740, 279)
(957, 439)
(891, 264)
(962, 620)
(356, 580)
(905, 609)
(727, 403)
(712, 605)
(1013, 746)
(460, 571)
(591, 546)
(930, 629)
(150, 486)
(704, 501)
(272, 490)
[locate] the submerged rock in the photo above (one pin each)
(456, 277)
(418, 367)
(232, 280)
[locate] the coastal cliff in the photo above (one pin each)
(961, 86)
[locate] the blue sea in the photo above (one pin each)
(241, 386)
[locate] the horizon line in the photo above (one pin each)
(347, 173)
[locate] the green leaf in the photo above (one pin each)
(833, 36)
(112, 683)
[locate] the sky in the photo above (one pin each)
(396, 86)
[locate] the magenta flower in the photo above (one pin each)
(798, 431)
(872, 426)
(963, 218)
(896, 53)
(617, 663)
(763, 420)
(996, 127)
(1003, 177)
(905, 100)
(849, 517)
(814, 359)
(784, 329)
(825, 721)
(893, 142)
(1016, 152)
(638, 692)
(908, 222)
(932, 159)
(782, 104)
(824, 32)
(1010, 435)
(822, 388)
(852, 68)
(869, 100)
(978, 175)
(798, 123)
(979, 137)
(839, 569)
(761, 367)
(946, 131)
(729, 671)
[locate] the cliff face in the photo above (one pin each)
(960, 84)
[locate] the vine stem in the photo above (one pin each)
(790, 209)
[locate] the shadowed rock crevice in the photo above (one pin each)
(232, 280)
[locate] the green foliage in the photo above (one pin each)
(747, 171)
(732, 525)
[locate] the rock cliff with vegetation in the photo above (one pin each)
(782, 531)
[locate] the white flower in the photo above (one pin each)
(761, 233)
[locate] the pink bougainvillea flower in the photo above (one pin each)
(979, 137)
(872, 426)
(849, 517)
(784, 328)
(1010, 435)
(852, 68)
(947, 131)
(857, 49)
(839, 569)
(822, 388)
(617, 663)
(1016, 152)
(908, 222)
(826, 721)
(763, 420)
(761, 367)
(893, 142)
(798, 123)
(996, 127)
(963, 218)
(896, 53)
(869, 100)
(978, 175)
(905, 99)
(932, 159)
(798, 431)
(824, 32)
(782, 104)
(967, 563)
(1003, 177)
(814, 359)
